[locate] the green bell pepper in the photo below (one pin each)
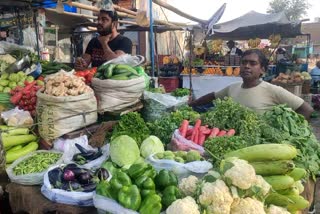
(165, 178)
(104, 189)
(110, 167)
(151, 204)
(129, 197)
(119, 180)
(146, 186)
(137, 169)
(169, 195)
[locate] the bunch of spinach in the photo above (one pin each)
(133, 125)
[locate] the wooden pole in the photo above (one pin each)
(179, 12)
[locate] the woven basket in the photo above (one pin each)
(295, 88)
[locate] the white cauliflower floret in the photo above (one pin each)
(216, 197)
(241, 174)
(247, 206)
(277, 210)
(265, 186)
(186, 205)
(188, 186)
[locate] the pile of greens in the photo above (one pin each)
(229, 114)
(133, 125)
(180, 92)
(164, 127)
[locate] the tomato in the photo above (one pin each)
(40, 78)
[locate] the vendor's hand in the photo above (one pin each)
(80, 64)
(104, 39)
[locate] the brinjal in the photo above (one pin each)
(65, 186)
(81, 149)
(68, 175)
(102, 174)
(56, 177)
(70, 166)
(89, 187)
(84, 178)
(79, 159)
(74, 186)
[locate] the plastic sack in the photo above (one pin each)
(182, 170)
(65, 197)
(16, 117)
(29, 179)
(63, 145)
(179, 143)
(155, 105)
(108, 205)
(127, 59)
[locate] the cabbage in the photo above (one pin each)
(12, 85)
(21, 74)
(4, 82)
(14, 77)
(6, 90)
(30, 79)
(21, 83)
(4, 76)
(124, 150)
(150, 146)
(1, 88)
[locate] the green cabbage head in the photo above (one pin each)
(150, 146)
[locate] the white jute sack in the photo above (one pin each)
(114, 95)
(60, 115)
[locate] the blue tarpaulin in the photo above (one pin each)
(53, 4)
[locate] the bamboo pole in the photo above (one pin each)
(179, 12)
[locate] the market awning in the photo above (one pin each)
(256, 25)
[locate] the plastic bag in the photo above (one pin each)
(182, 170)
(67, 146)
(179, 143)
(29, 179)
(104, 205)
(155, 105)
(17, 117)
(127, 59)
(65, 197)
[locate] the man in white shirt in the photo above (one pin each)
(233, 49)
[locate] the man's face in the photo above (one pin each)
(250, 68)
(230, 45)
(105, 24)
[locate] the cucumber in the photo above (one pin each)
(15, 148)
(280, 167)
(280, 182)
(265, 152)
(121, 71)
(14, 155)
(291, 191)
(278, 200)
(119, 77)
(299, 203)
(298, 173)
(109, 71)
(126, 67)
(133, 76)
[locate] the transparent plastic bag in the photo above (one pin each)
(179, 143)
(127, 59)
(107, 205)
(16, 117)
(155, 105)
(33, 178)
(65, 197)
(182, 170)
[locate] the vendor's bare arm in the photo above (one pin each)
(206, 99)
(306, 110)
(79, 65)
(109, 54)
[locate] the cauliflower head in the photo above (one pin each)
(265, 186)
(241, 174)
(247, 206)
(277, 210)
(188, 186)
(216, 197)
(186, 205)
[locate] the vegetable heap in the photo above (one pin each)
(38, 162)
(85, 155)
(180, 156)
(118, 72)
(53, 67)
(87, 74)
(63, 84)
(10, 81)
(180, 92)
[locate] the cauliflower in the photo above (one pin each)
(186, 205)
(277, 210)
(7, 58)
(241, 173)
(265, 186)
(247, 206)
(188, 186)
(216, 197)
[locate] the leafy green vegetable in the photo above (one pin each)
(165, 126)
(180, 92)
(133, 125)
(150, 146)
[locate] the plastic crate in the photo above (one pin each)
(169, 83)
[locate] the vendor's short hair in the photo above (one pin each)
(264, 62)
(112, 14)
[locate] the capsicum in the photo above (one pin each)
(165, 178)
(129, 197)
(119, 180)
(146, 186)
(169, 195)
(104, 189)
(151, 204)
(141, 169)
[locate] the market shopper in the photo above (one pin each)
(255, 93)
(233, 49)
(315, 73)
(108, 45)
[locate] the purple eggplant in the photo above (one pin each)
(56, 177)
(88, 187)
(82, 149)
(69, 175)
(102, 174)
(85, 178)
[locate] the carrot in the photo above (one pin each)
(189, 137)
(205, 130)
(202, 138)
(184, 128)
(214, 132)
(196, 138)
(189, 132)
(231, 132)
(195, 128)
(222, 133)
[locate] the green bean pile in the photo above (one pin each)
(36, 163)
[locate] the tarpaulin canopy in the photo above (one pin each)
(256, 25)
